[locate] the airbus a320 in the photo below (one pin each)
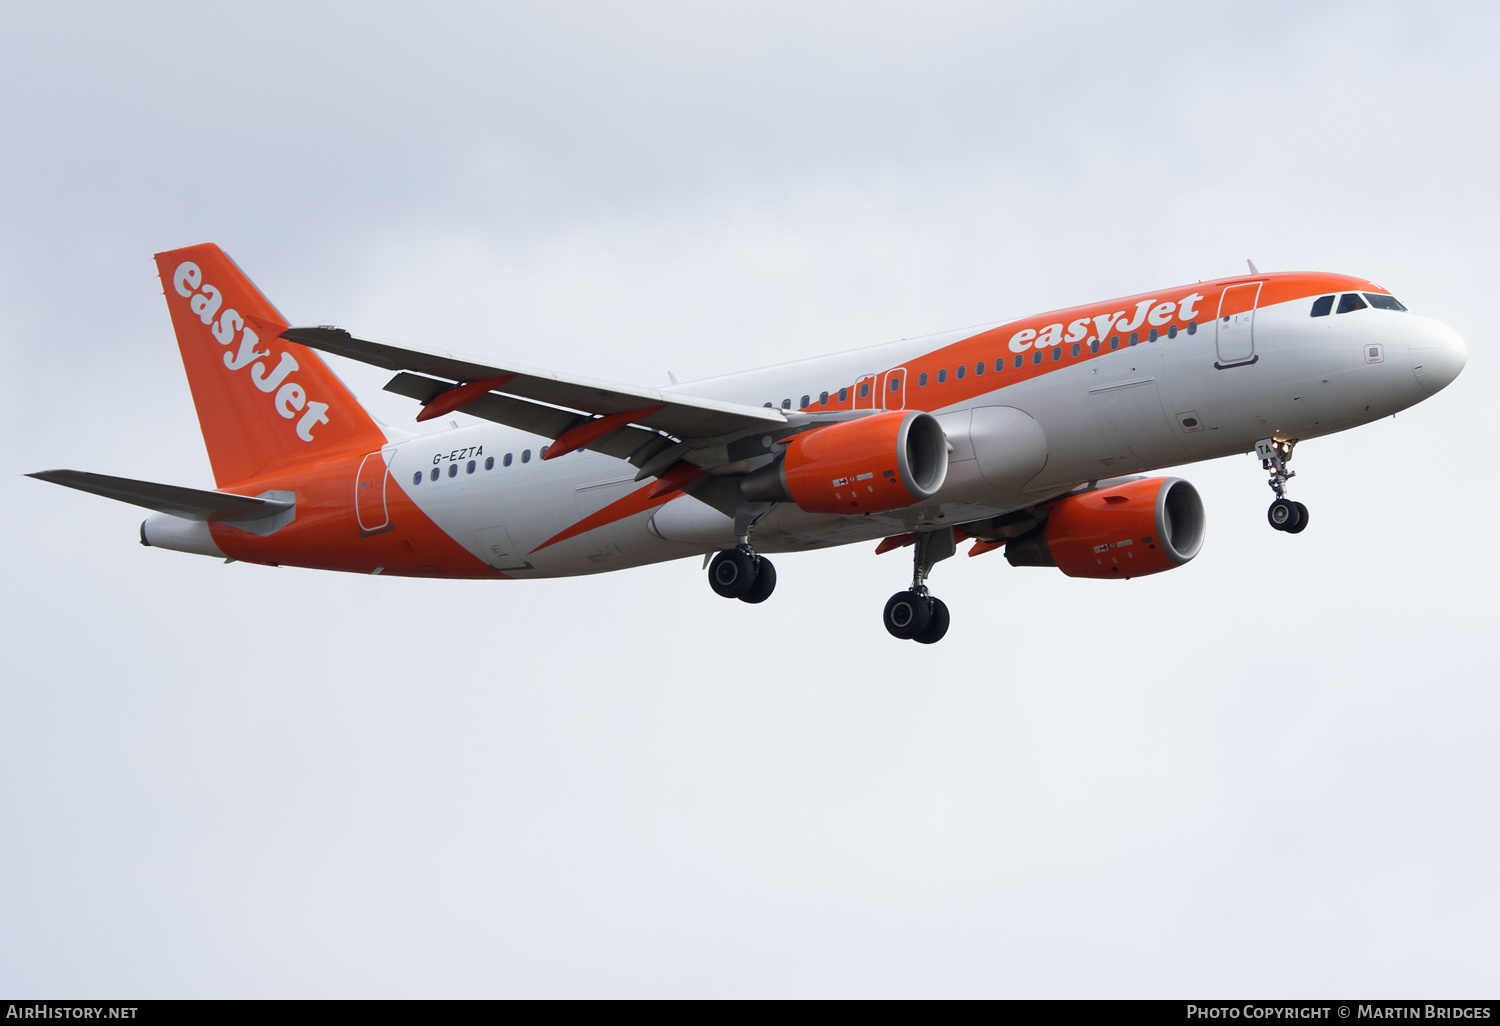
(1030, 436)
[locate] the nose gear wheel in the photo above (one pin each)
(1283, 515)
(1286, 515)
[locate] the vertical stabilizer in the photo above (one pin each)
(264, 404)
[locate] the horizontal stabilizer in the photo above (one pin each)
(188, 503)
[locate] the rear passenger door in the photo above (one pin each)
(369, 495)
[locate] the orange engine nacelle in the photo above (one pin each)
(1130, 530)
(877, 463)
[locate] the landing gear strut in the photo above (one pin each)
(915, 615)
(1284, 514)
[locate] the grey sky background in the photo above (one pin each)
(1271, 772)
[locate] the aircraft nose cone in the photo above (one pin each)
(1437, 357)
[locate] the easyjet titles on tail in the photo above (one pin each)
(290, 398)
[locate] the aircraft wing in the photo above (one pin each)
(539, 400)
(188, 503)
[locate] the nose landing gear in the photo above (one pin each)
(1284, 514)
(915, 615)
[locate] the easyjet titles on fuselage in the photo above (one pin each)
(1147, 312)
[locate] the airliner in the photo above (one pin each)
(1034, 436)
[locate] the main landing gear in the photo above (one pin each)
(1284, 514)
(915, 615)
(740, 573)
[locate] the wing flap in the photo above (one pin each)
(547, 421)
(188, 503)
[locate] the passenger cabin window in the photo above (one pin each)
(1383, 302)
(1000, 365)
(962, 368)
(979, 368)
(786, 404)
(417, 478)
(508, 458)
(470, 468)
(453, 470)
(489, 463)
(843, 394)
(822, 398)
(864, 390)
(1322, 306)
(922, 380)
(806, 402)
(434, 473)
(525, 455)
(1019, 361)
(1076, 349)
(942, 375)
(1350, 301)
(895, 384)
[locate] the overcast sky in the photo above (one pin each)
(1272, 772)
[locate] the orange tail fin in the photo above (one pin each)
(264, 404)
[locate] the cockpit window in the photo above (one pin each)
(1351, 301)
(1322, 306)
(1382, 302)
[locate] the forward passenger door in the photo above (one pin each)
(1235, 337)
